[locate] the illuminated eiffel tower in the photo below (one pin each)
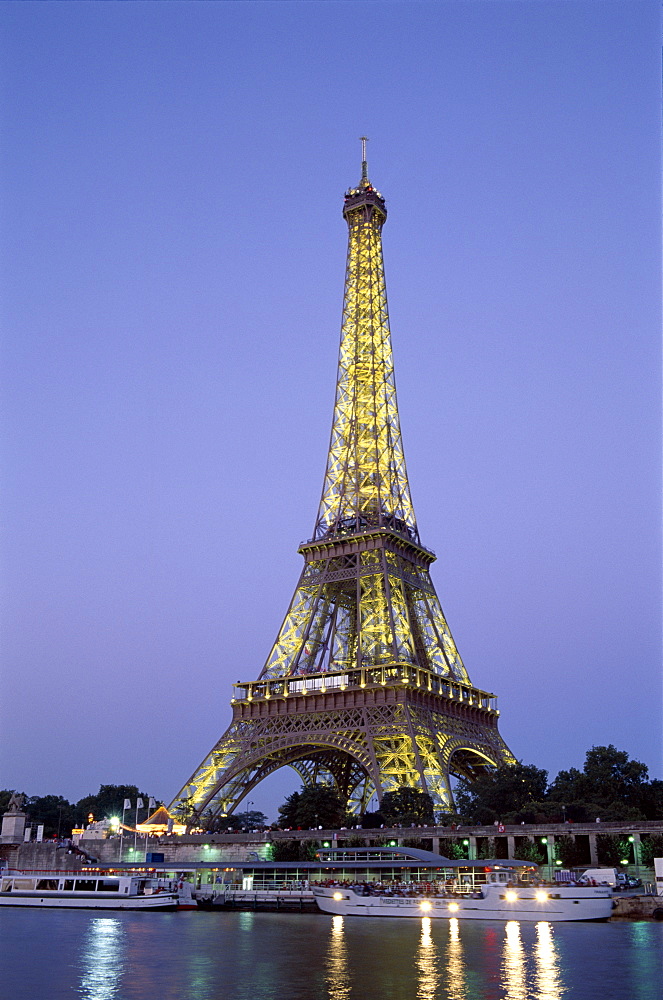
(364, 688)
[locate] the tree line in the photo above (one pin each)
(59, 816)
(611, 786)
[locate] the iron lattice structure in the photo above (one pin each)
(364, 688)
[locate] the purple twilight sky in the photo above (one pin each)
(172, 279)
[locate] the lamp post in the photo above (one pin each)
(636, 860)
(126, 805)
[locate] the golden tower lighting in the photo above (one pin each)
(364, 688)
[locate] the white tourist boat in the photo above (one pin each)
(87, 890)
(503, 896)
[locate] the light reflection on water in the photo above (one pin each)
(456, 978)
(263, 956)
(102, 959)
(514, 977)
(427, 963)
(338, 982)
(547, 977)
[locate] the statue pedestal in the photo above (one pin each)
(13, 828)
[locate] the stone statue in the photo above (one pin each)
(16, 802)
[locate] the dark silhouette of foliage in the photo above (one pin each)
(487, 848)
(611, 786)
(242, 822)
(53, 812)
(312, 807)
(507, 794)
(531, 851)
(293, 850)
(108, 802)
(406, 806)
(570, 853)
(372, 820)
(612, 851)
(650, 848)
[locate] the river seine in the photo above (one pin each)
(58, 954)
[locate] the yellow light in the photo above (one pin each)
(337, 896)
(511, 895)
(541, 896)
(424, 905)
(453, 907)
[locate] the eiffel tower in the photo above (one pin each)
(364, 688)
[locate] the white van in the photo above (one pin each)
(602, 876)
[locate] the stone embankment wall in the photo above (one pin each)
(37, 857)
(220, 849)
(638, 907)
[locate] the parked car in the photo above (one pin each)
(625, 881)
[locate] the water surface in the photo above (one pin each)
(264, 956)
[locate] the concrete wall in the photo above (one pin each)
(226, 848)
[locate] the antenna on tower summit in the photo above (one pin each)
(364, 164)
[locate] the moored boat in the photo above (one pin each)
(86, 890)
(504, 895)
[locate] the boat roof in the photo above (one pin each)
(412, 855)
(328, 859)
(339, 858)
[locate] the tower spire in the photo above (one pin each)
(364, 163)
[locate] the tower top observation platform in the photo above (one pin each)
(364, 194)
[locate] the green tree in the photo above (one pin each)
(569, 852)
(355, 842)
(108, 802)
(313, 806)
(487, 849)
(612, 851)
(610, 785)
(454, 849)
(237, 822)
(650, 848)
(284, 850)
(406, 806)
(510, 794)
(653, 799)
(528, 851)
(55, 813)
(372, 820)
(293, 850)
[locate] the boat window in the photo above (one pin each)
(7, 885)
(24, 883)
(108, 885)
(69, 884)
(86, 884)
(48, 884)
